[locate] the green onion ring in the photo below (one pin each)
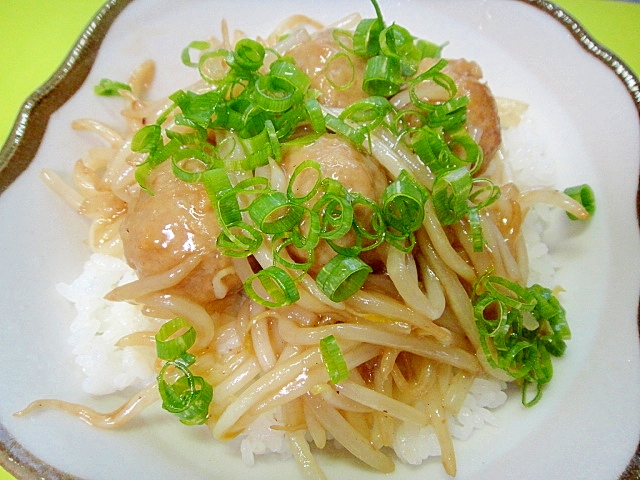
(274, 213)
(169, 347)
(366, 37)
(307, 165)
(188, 397)
(248, 54)
(450, 194)
(477, 240)
(281, 242)
(368, 113)
(220, 56)
(239, 240)
(217, 185)
(336, 215)
(403, 204)
(273, 94)
(186, 53)
(333, 359)
(382, 76)
(278, 285)
(342, 276)
(327, 72)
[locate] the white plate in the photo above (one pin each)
(588, 422)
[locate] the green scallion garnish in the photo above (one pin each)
(333, 359)
(583, 194)
(279, 288)
(189, 396)
(521, 348)
(342, 276)
(110, 88)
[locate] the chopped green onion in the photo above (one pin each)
(218, 187)
(339, 34)
(374, 232)
(186, 53)
(583, 194)
(333, 359)
(509, 293)
(382, 76)
(397, 42)
(434, 75)
(200, 108)
(548, 307)
(309, 239)
(342, 128)
(316, 117)
(328, 69)
(430, 147)
(449, 115)
(336, 215)
(188, 397)
(257, 149)
(247, 117)
(376, 7)
(366, 38)
(155, 158)
(248, 54)
(402, 242)
(147, 140)
(394, 39)
(239, 240)
(368, 113)
(450, 194)
(278, 285)
(522, 349)
(197, 136)
(170, 347)
(348, 246)
(473, 154)
(274, 213)
(110, 88)
(273, 94)
(281, 243)
(403, 204)
(486, 194)
(477, 240)
(307, 165)
(290, 73)
(342, 276)
(218, 58)
(429, 49)
(194, 156)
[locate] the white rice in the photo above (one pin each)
(529, 165)
(414, 444)
(261, 439)
(100, 323)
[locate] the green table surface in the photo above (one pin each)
(36, 35)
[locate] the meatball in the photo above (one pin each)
(330, 74)
(483, 122)
(162, 229)
(339, 160)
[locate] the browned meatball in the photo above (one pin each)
(316, 57)
(162, 229)
(482, 111)
(339, 160)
